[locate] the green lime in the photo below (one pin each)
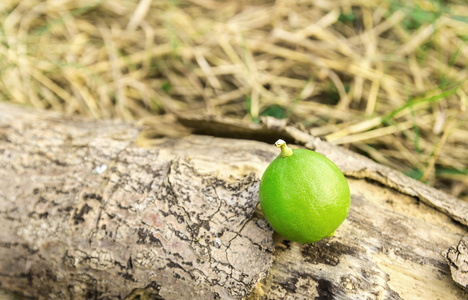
(303, 195)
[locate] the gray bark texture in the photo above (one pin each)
(111, 210)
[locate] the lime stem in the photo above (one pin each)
(285, 150)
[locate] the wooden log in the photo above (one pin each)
(89, 211)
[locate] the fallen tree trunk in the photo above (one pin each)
(87, 212)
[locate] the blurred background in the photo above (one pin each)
(384, 78)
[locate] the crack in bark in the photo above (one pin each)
(142, 219)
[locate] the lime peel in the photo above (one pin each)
(303, 195)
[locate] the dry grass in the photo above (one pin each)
(386, 78)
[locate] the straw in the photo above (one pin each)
(387, 79)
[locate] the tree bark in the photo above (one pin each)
(90, 210)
